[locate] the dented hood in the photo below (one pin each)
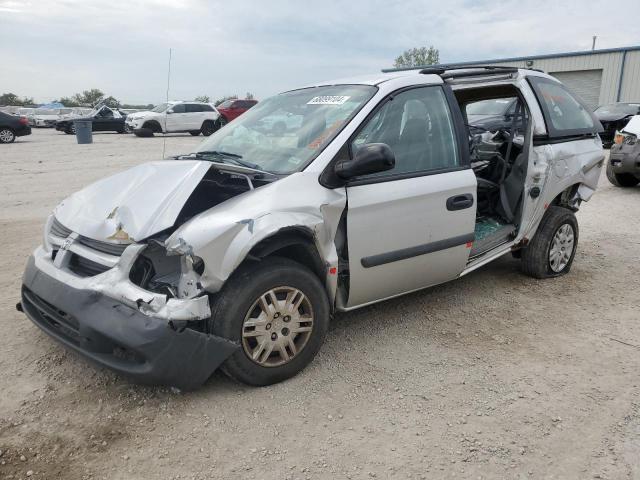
(134, 204)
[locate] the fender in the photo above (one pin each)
(225, 235)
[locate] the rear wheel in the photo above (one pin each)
(621, 179)
(551, 251)
(70, 130)
(7, 135)
(278, 312)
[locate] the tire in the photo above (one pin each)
(239, 302)
(222, 121)
(209, 128)
(7, 135)
(70, 130)
(624, 180)
(538, 258)
(195, 133)
(143, 132)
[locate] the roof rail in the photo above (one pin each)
(449, 71)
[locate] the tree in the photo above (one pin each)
(15, 100)
(88, 97)
(224, 99)
(111, 102)
(68, 102)
(418, 57)
(202, 98)
(249, 96)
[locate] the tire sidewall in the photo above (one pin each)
(240, 294)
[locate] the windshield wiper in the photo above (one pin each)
(228, 157)
(233, 157)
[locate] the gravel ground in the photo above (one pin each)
(496, 375)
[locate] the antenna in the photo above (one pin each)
(164, 139)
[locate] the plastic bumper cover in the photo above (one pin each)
(625, 158)
(119, 337)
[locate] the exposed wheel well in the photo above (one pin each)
(566, 198)
(153, 126)
(296, 244)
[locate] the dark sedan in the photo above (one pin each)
(103, 119)
(614, 117)
(12, 127)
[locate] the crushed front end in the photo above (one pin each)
(131, 307)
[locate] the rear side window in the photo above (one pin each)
(564, 114)
(206, 108)
(193, 107)
(417, 125)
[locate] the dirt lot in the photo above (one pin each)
(496, 375)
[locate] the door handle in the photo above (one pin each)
(460, 202)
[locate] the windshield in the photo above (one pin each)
(160, 108)
(226, 103)
(284, 133)
(496, 106)
(619, 109)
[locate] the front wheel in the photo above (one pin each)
(195, 133)
(552, 249)
(7, 135)
(209, 128)
(621, 179)
(278, 312)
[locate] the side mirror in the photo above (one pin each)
(370, 158)
(169, 111)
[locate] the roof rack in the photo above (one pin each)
(445, 71)
(470, 70)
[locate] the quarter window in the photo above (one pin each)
(417, 126)
(564, 114)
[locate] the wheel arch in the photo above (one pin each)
(294, 243)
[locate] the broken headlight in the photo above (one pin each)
(177, 276)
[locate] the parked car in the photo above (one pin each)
(47, 117)
(103, 119)
(614, 117)
(233, 108)
(623, 168)
(176, 117)
(12, 127)
(239, 253)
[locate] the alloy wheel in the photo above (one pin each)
(277, 326)
(6, 136)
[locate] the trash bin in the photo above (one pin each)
(83, 131)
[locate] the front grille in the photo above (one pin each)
(50, 316)
(59, 230)
(83, 267)
(110, 248)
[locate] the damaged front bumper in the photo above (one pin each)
(121, 326)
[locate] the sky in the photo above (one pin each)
(54, 48)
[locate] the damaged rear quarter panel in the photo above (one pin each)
(225, 234)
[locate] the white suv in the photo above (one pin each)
(175, 117)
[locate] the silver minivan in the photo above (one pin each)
(316, 201)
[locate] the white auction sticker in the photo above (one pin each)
(329, 100)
